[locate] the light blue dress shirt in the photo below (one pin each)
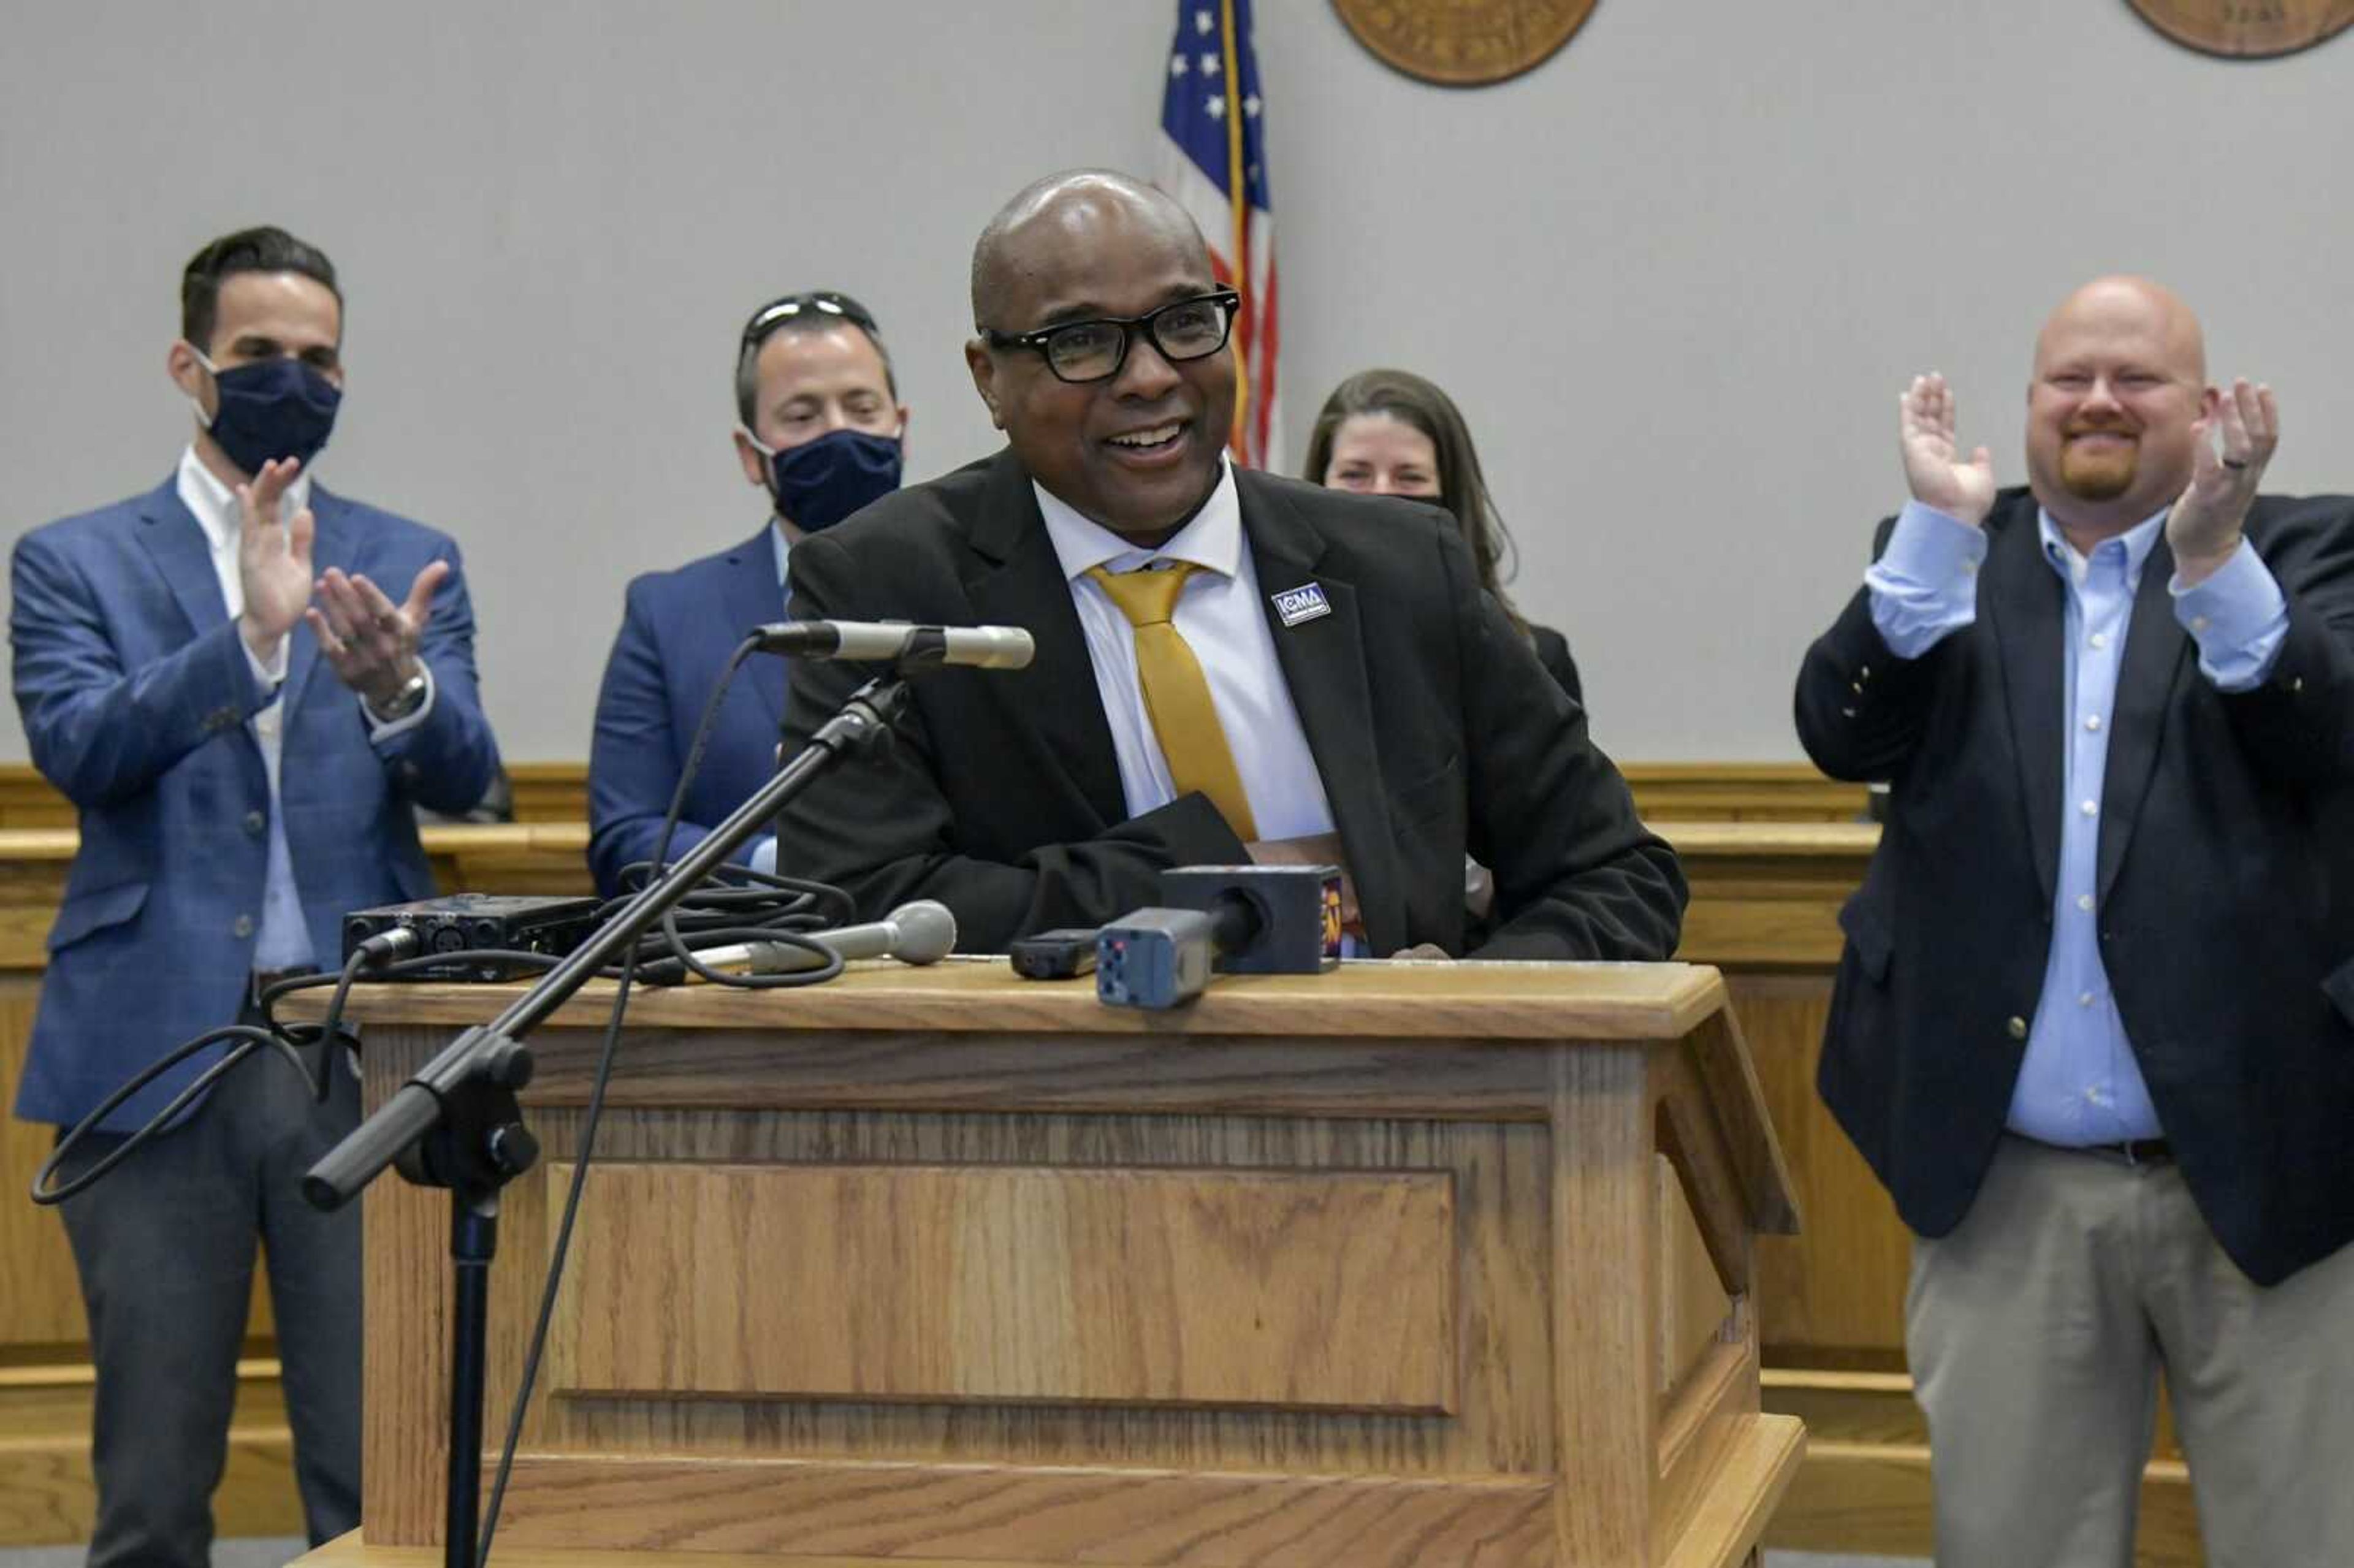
(764, 849)
(2079, 1083)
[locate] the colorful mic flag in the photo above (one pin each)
(1213, 160)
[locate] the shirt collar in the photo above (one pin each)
(1211, 538)
(784, 544)
(214, 506)
(2139, 540)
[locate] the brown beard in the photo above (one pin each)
(2102, 477)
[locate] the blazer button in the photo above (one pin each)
(241, 926)
(255, 821)
(2017, 1027)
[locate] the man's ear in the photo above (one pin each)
(984, 377)
(756, 467)
(180, 362)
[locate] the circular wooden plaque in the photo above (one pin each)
(2247, 29)
(1463, 43)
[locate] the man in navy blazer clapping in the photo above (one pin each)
(246, 686)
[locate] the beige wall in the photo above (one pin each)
(1676, 275)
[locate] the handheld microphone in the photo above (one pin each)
(888, 642)
(922, 932)
(1228, 919)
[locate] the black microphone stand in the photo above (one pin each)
(456, 1124)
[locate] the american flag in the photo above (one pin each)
(1213, 160)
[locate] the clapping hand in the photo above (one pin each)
(273, 559)
(2204, 527)
(369, 642)
(1961, 489)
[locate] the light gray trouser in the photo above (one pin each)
(2036, 1332)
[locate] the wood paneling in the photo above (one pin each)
(1832, 1295)
(1209, 1194)
(1174, 1519)
(1874, 1499)
(1697, 1305)
(1298, 1289)
(1741, 793)
(41, 1304)
(47, 1496)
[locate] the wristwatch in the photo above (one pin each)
(404, 702)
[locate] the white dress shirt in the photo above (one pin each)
(283, 940)
(1221, 616)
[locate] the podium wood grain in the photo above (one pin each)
(1399, 1264)
(1092, 1285)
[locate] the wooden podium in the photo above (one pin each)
(1401, 1265)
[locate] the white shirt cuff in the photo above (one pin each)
(382, 730)
(272, 675)
(1925, 585)
(2238, 617)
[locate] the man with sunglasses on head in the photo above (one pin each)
(246, 686)
(1229, 665)
(820, 429)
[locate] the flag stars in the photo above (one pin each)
(1250, 106)
(1204, 23)
(1209, 65)
(1178, 65)
(1216, 107)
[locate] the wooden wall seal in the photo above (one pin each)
(1463, 43)
(2247, 29)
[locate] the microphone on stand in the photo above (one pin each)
(922, 932)
(895, 643)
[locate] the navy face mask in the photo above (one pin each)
(820, 482)
(272, 408)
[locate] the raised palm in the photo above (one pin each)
(1934, 465)
(273, 558)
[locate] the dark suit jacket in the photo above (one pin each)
(2226, 884)
(678, 629)
(136, 693)
(1433, 726)
(1552, 653)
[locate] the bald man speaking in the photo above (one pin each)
(2092, 1023)
(1229, 665)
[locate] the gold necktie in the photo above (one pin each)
(1176, 693)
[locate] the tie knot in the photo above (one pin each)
(1147, 597)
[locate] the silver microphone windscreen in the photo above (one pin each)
(923, 932)
(927, 931)
(891, 641)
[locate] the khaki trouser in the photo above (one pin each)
(2036, 1332)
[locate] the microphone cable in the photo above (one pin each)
(787, 909)
(286, 1039)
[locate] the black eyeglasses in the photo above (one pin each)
(814, 305)
(1095, 349)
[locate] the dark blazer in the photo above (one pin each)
(1552, 653)
(678, 629)
(136, 693)
(2226, 884)
(1433, 726)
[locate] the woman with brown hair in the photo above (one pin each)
(1390, 432)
